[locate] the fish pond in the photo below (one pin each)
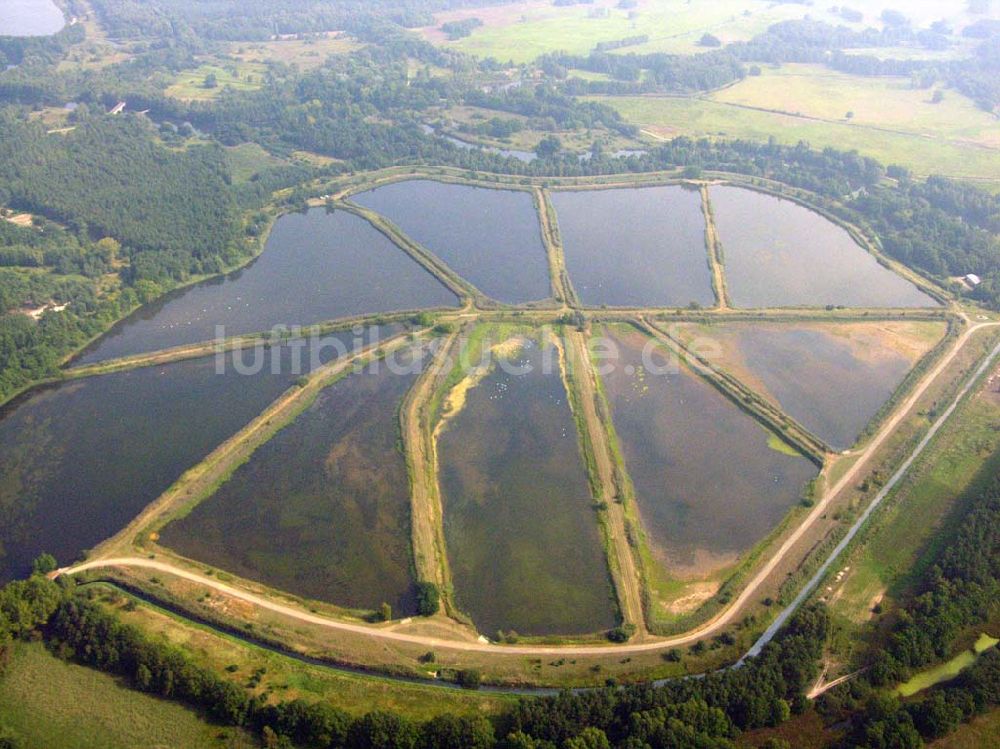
(30, 18)
(710, 481)
(831, 378)
(81, 459)
(490, 237)
(316, 266)
(779, 253)
(519, 521)
(636, 247)
(321, 510)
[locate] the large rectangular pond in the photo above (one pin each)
(710, 481)
(30, 18)
(321, 510)
(779, 253)
(642, 247)
(492, 238)
(831, 378)
(519, 524)
(79, 460)
(316, 266)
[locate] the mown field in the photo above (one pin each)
(51, 704)
(667, 117)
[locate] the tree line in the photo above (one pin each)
(706, 713)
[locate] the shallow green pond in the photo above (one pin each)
(948, 670)
(519, 522)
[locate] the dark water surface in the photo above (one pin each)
(642, 247)
(707, 483)
(521, 531)
(316, 266)
(490, 237)
(321, 510)
(779, 253)
(79, 460)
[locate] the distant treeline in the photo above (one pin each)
(255, 20)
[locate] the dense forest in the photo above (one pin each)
(261, 19)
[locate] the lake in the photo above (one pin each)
(642, 247)
(707, 483)
(322, 510)
(316, 266)
(492, 238)
(519, 522)
(81, 459)
(779, 253)
(30, 18)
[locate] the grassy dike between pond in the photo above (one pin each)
(198, 483)
(714, 248)
(562, 287)
(580, 381)
(430, 557)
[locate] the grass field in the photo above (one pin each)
(666, 117)
(51, 704)
(523, 31)
(189, 85)
(890, 103)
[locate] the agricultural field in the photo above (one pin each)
(663, 117)
(520, 32)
